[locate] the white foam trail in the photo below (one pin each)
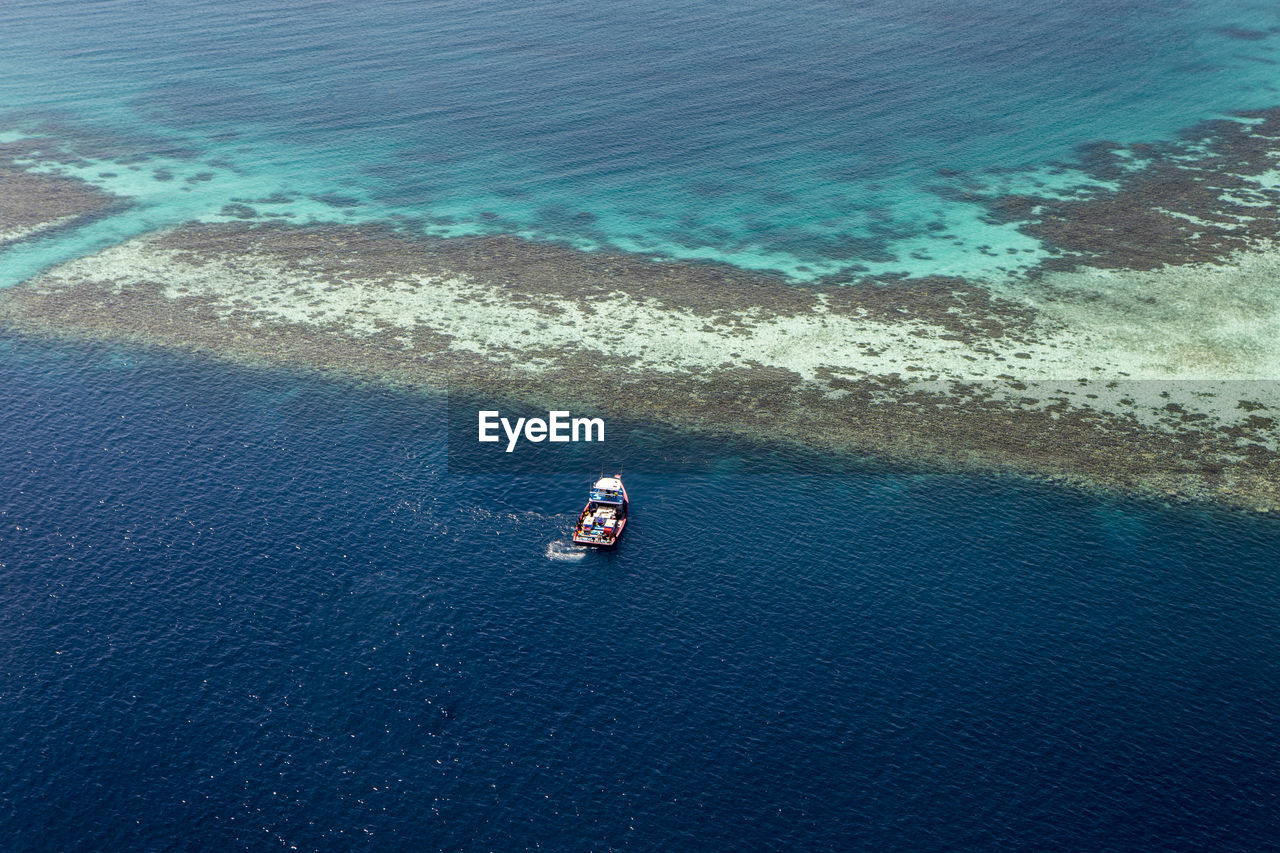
(563, 551)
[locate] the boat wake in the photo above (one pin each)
(563, 551)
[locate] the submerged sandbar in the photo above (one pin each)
(1142, 391)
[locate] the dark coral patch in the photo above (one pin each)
(39, 204)
(1186, 201)
(965, 312)
(239, 211)
(1241, 33)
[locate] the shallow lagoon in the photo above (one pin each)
(805, 138)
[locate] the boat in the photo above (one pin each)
(605, 515)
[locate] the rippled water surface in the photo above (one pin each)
(812, 138)
(246, 609)
(243, 609)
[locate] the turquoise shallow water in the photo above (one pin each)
(804, 138)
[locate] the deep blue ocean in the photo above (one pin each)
(253, 610)
(256, 609)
